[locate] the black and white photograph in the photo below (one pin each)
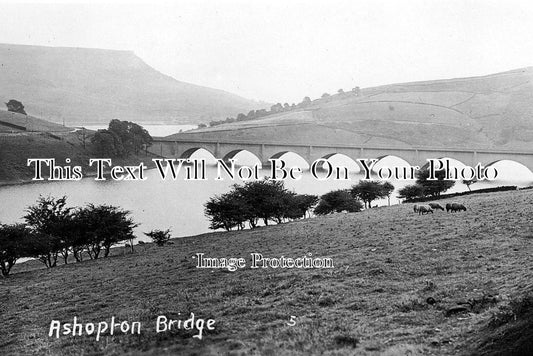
(270, 177)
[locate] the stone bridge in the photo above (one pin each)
(415, 156)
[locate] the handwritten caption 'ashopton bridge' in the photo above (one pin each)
(196, 170)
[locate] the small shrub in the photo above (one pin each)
(159, 237)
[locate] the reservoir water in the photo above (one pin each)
(160, 204)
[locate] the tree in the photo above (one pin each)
(227, 211)
(264, 199)
(132, 136)
(276, 108)
(49, 218)
(300, 205)
(411, 191)
(121, 138)
(261, 113)
(15, 106)
(159, 237)
(305, 102)
(74, 236)
(104, 226)
(469, 182)
(369, 191)
(15, 242)
(388, 188)
(267, 200)
(107, 144)
(325, 96)
(337, 201)
(433, 187)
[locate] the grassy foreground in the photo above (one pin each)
(388, 262)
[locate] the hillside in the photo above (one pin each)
(480, 112)
(388, 263)
(11, 122)
(81, 85)
(23, 137)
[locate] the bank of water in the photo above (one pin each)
(179, 205)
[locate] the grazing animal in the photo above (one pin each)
(436, 206)
(454, 207)
(415, 208)
(424, 209)
(458, 207)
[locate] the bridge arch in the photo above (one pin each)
(394, 166)
(342, 160)
(454, 162)
(383, 160)
(513, 169)
(249, 157)
(198, 150)
(292, 159)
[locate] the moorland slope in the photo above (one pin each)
(82, 85)
(388, 263)
(493, 111)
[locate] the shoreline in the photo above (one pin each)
(90, 174)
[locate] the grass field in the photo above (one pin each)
(394, 289)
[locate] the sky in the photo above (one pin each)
(281, 51)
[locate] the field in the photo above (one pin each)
(400, 286)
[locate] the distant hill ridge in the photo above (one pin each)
(83, 85)
(492, 111)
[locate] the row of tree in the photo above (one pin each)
(121, 139)
(263, 200)
(354, 199)
(52, 230)
(277, 108)
(268, 200)
(425, 187)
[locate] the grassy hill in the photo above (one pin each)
(23, 137)
(11, 122)
(388, 263)
(81, 85)
(490, 111)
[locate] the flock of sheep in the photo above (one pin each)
(426, 209)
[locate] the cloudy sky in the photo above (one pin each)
(285, 50)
